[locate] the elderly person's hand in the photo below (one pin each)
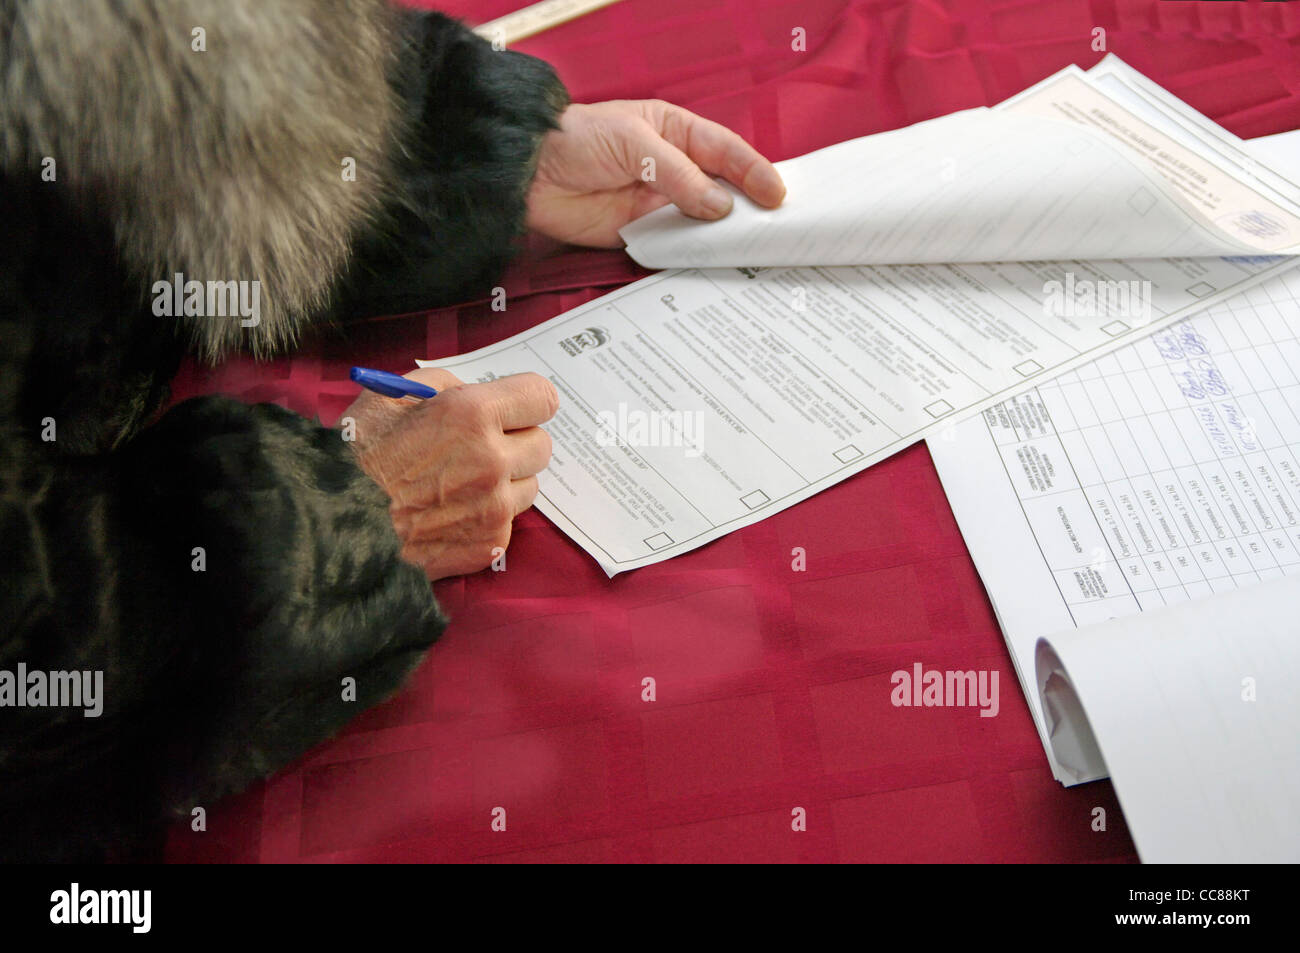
(593, 178)
(458, 467)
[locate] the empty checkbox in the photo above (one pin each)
(847, 454)
(659, 541)
(1200, 289)
(1142, 201)
(755, 500)
(1115, 328)
(938, 408)
(1028, 368)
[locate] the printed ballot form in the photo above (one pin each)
(700, 400)
(1096, 165)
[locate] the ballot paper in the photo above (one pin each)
(1096, 165)
(1126, 519)
(698, 401)
(1195, 710)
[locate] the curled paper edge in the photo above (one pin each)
(1068, 730)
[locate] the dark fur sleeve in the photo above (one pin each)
(472, 121)
(216, 673)
(168, 164)
(303, 584)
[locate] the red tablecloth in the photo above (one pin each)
(773, 685)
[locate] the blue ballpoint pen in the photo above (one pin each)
(391, 385)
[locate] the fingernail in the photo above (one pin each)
(717, 201)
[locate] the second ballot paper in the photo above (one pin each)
(911, 279)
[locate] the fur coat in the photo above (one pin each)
(143, 139)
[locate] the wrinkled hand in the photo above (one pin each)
(590, 178)
(458, 467)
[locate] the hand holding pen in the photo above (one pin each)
(458, 461)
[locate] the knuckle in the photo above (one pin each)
(533, 489)
(485, 482)
(481, 408)
(451, 404)
(496, 461)
(468, 405)
(501, 540)
(498, 512)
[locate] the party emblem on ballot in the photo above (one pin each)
(587, 340)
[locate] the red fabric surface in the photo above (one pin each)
(773, 685)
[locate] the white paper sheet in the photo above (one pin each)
(1281, 151)
(719, 403)
(696, 402)
(1101, 165)
(1197, 713)
(1167, 471)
